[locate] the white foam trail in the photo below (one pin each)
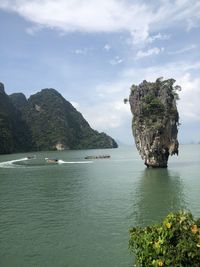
(9, 164)
(73, 162)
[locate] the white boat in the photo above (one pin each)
(51, 160)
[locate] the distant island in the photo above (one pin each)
(155, 120)
(45, 121)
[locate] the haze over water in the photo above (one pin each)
(79, 214)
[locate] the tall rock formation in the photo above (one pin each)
(155, 120)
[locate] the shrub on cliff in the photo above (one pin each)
(175, 242)
(152, 106)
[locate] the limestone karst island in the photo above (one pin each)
(155, 120)
(46, 121)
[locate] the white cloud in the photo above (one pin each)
(116, 61)
(107, 47)
(183, 50)
(34, 29)
(106, 115)
(192, 23)
(188, 104)
(117, 89)
(176, 13)
(80, 51)
(107, 112)
(169, 70)
(73, 15)
(158, 36)
(139, 18)
(149, 52)
(111, 112)
(140, 35)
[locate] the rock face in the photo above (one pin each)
(45, 121)
(155, 120)
(56, 125)
(14, 131)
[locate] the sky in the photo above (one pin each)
(92, 51)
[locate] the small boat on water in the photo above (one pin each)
(51, 160)
(31, 157)
(98, 157)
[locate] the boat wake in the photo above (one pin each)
(11, 163)
(73, 162)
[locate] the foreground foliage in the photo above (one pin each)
(175, 242)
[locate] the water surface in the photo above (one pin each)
(78, 215)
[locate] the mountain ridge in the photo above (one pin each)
(48, 122)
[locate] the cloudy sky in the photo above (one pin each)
(92, 51)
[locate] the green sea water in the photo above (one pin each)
(77, 214)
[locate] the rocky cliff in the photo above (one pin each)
(155, 120)
(56, 124)
(15, 135)
(45, 121)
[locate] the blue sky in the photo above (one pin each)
(93, 51)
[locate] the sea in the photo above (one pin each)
(78, 213)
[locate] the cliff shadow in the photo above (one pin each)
(158, 192)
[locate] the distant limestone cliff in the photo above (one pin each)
(15, 134)
(45, 121)
(155, 120)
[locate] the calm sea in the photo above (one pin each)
(78, 214)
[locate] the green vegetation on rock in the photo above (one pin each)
(155, 120)
(152, 107)
(14, 132)
(46, 121)
(175, 242)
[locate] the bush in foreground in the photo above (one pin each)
(175, 242)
